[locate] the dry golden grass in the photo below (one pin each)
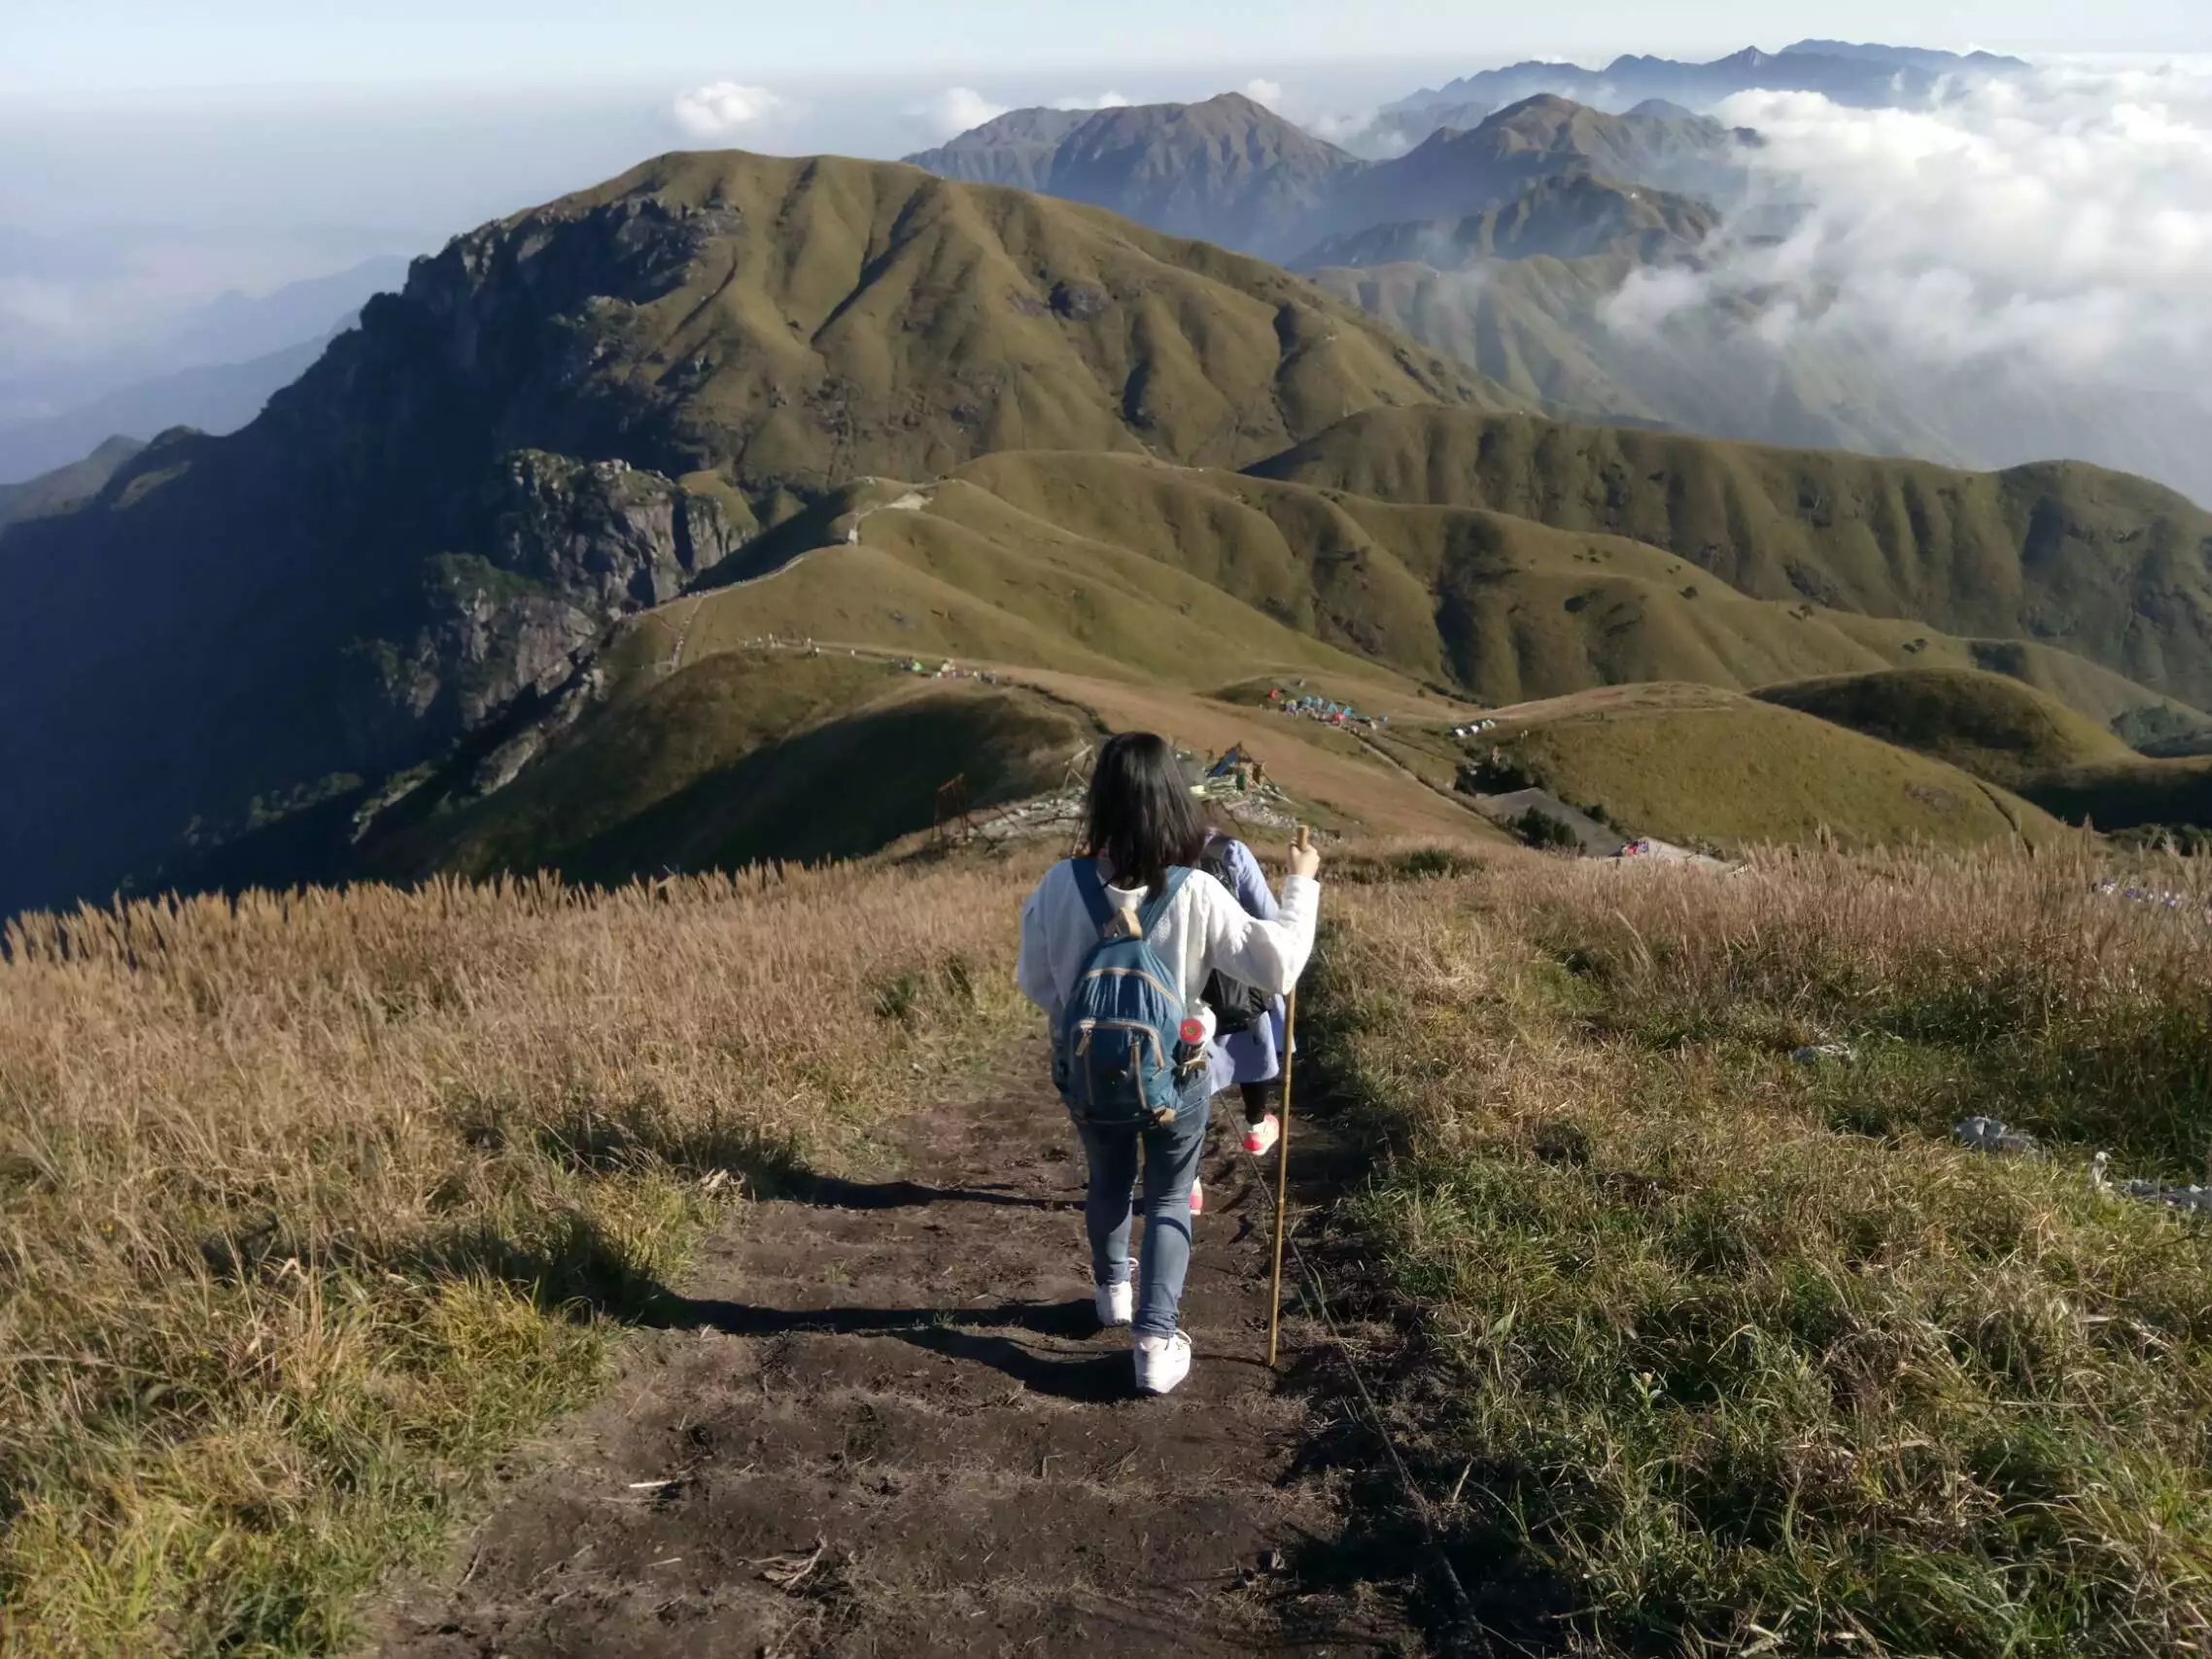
(1736, 1353)
(311, 1205)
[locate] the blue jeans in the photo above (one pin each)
(1170, 1164)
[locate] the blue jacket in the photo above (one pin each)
(1254, 1054)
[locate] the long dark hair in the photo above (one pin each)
(1143, 817)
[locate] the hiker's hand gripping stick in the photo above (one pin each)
(1304, 861)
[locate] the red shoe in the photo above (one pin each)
(1261, 1136)
(1197, 1197)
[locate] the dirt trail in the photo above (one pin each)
(889, 1425)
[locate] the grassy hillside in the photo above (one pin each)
(2111, 568)
(740, 758)
(1693, 764)
(1993, 727)
(838, 317)
(1819, 1379)
(1132, 593)
(1118, 564)
(752, 753)
(1135, 592)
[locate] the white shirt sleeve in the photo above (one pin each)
(1033, 968)
(1266, 955)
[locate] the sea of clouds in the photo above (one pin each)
(2059, 218)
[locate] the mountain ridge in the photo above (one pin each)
(1871, 75)
(1245, 177)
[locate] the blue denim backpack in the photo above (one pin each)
(1114, 1059)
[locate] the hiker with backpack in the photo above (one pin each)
(1117, 947)
(1249, 1037)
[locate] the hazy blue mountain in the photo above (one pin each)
(214, 397)
(1018, 148)
(1868, 76)
(212, 370)
(234, 326)
(1905, 57)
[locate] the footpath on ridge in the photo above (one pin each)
(882, 1420)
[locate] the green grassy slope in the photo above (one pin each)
(839, 317)
(2111, 568)
(1986, 724)
(1698, 764)
(1115, 565)
(738, 758)
(1173, 582)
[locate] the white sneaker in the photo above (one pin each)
(1117, 1304)
(1198, 1197)
(1261, 1137)
(1163, 1361)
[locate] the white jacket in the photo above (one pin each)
(1204, 930)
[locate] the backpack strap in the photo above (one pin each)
(1092, 886)
(1157, 906)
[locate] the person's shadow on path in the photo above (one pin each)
(977, 1336)
(834, 1192)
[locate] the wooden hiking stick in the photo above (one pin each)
(1304, 838)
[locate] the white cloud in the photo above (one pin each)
(1261, 90)
(1097, 101)
(954, 111)
(1338, 128)
(723, 109)
(2060, 221)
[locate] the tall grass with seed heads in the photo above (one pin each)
(1725, 1342)
(312, 1205)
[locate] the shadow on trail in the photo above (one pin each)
(831, 1192)
(671, 1312)
(978, 1336)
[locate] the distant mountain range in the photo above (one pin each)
(212, 372)
(1234, 172)
(1870, 76)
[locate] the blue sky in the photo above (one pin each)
(153, 153)
(75, 50)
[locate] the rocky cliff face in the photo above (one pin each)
(564, 547)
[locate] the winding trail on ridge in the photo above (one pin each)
(882, 1420)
